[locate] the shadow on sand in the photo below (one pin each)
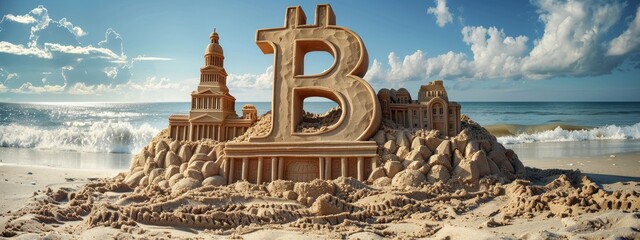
(608, 179)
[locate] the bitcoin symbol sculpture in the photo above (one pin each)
(342, 82)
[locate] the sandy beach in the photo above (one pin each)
(200, 120)
(484, 221)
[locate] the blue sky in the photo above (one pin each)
(114, 51)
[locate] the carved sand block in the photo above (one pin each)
(338, 150)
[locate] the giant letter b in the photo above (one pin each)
(342, 82)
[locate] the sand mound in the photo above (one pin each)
(313, 122)
(321, 205)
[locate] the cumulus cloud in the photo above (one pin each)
(494, 53)
(75, 30)
(155, 83)
(28, 87)
(441, 13)
(574, 34)
(112, 41)
(629, 40)
(81, 89)
(3, 88)
(574, 43)
(248, 80)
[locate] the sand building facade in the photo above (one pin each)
(212, 114)
(432, 110)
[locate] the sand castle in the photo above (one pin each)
(431, 111)
(339, 149)
(360, 175)
(213, 114)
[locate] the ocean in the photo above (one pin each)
(105, 135)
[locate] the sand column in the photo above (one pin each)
(360, 169)
(280, 168)
(321, 168)
(245, 168)
(260, 171)
(231, 161)
(343, 161)
(274, 168)
(327, 168)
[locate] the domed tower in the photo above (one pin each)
(212, 96)
(213, 75)
(213, 114)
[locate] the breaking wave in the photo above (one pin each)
(108, 137)
(559, 134)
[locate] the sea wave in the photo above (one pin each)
(560, 134)
(109, 137)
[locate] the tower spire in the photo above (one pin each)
(214, 36)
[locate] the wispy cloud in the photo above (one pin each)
(146, 58)
(19, 49)
(29, 88)
(86, 68)
(24, 19)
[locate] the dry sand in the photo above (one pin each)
(482, 221)
(438, 197)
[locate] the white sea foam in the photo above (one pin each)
(112, 137)
(609, 132)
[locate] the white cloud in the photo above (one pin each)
(573, 38)
(629, 40)
(145, 58)
(27, 87)
(75, 30)
(494, 53)
(41, 14)
(574, 44)
(80, 88)
(24, 19)
(3, 88)
(12, 76)
(113, 41)
(5, 76)
(82, 50)
(248, 80)
(155, 83)
(441, 12)
(111, 72)
(19, 49)
(151, 84)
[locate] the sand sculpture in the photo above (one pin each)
(213, 114)
(338, 150)
(432, 109)
(420, 178)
